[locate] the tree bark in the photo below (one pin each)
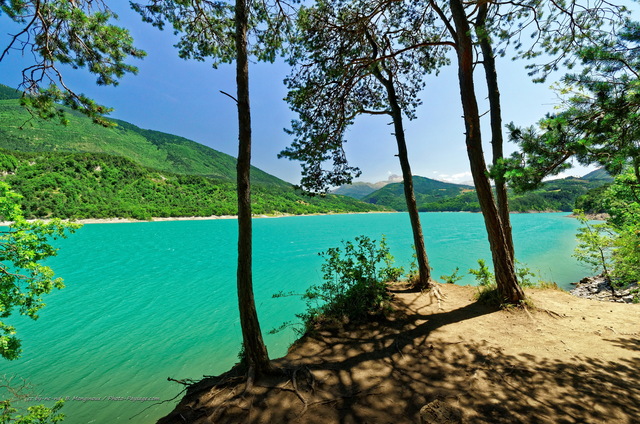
(506, 280)
(424, 270)
(254, 348)
(497, 140)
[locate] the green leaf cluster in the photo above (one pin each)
(23, 279)
(613, 247)
(207, 28)
(75, 33)
(598, 122)
(37, 414)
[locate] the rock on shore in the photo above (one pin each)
(599, 288)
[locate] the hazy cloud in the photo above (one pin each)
(459, 178)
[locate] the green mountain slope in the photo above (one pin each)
(98, 185)
(359, 190)
(426, 190)
(554, 195)
(153, 149)
(82, 170)
(598, 174)
(7, 93)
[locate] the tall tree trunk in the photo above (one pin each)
(497, 140)
(254, 348)
(506, 280)
(424, 271)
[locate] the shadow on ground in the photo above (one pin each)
(386, 371)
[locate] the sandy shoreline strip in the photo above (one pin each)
(185, 218)
(214, 217)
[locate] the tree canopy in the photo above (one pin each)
(67, 34)
(599, 119)
(345, 57)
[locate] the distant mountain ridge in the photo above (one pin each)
(426, 191)
(434, 196)
(598, 174)
(360, 189)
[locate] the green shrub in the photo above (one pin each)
(595, 243)
(487, 290)
(483, 276)
(355, 283)
(526, 276)
(453, 278)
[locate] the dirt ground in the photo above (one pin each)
(570, 360)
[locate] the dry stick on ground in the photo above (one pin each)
(184, 382)
(552, 314)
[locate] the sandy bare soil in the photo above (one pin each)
(571, 360)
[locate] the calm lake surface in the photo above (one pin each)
(147, 301)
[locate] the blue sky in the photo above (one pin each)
(183, 97)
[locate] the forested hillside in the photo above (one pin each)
(98, 185)
(426, 191)
(83, 170)
(47, 185)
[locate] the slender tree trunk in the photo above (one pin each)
(424, 271)
(254, 348)
(497, 141)
(503, 264)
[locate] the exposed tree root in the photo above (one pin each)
(524, 307)
(434, 292)
(251, 376)
(184, 382)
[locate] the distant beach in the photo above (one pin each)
(184, 218)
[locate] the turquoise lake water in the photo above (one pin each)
(147, 301)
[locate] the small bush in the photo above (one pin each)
(483, 276)
(526, 276)
(453, 278)
(487, 290)
(355, 283)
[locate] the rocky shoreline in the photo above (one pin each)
(599, 288)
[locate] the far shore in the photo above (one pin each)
(214, 217)
(186, 218)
